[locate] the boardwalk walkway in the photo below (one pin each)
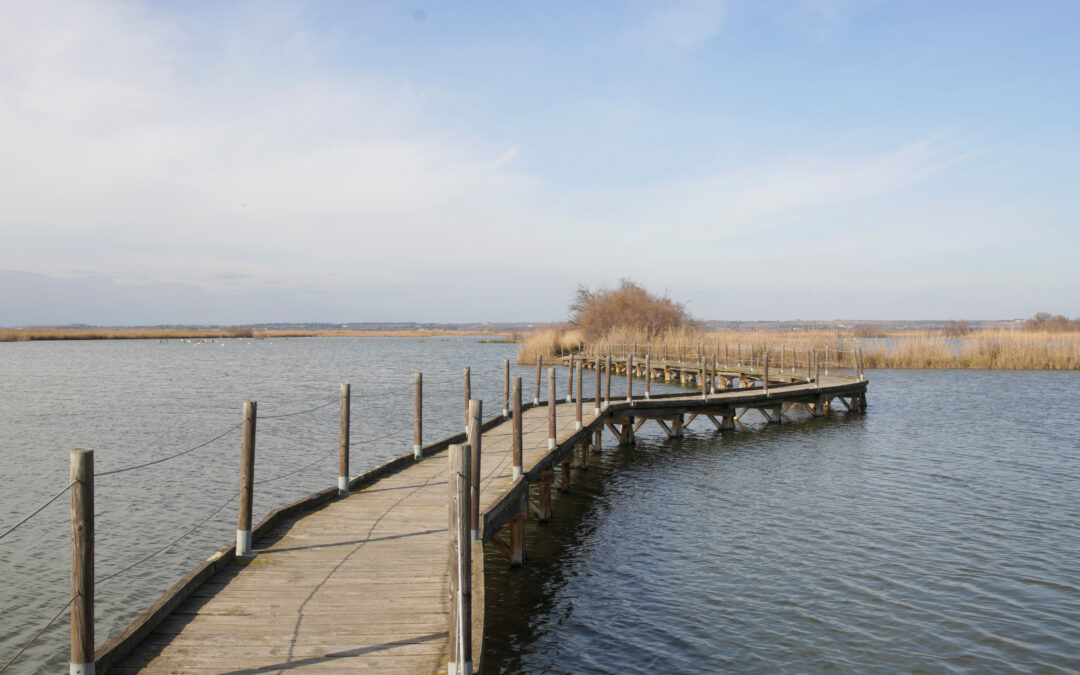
(363, 583)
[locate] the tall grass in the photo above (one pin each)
(980, 350)
(985, 350)
(549, 343)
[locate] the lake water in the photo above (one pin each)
(936, 532)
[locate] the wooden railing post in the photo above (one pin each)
(577, 401)
(460, 662)
(570, 381)
(506, 388)
(82, 562)
(468, 397)
(536, 395)
(701, 377)
(607, 380)
(648, 374)
(343, 442)
(826, 358)
(516, 449)
(765, 373)
(552, 403)
(418, 412)
(247, 480)
(476, 415)
(629, 377)
(596, 400)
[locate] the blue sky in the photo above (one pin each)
(265, 161)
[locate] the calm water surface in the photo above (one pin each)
(938, 532)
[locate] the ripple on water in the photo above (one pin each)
(922, 537)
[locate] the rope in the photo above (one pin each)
(380, 438)
(166, 546)
(39, 510)
(165, 459)
(290, 473)
(36, 635)
(298, 412)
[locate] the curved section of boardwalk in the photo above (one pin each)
(363, 583)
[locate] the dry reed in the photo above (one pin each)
(979, 350)
(549, 343)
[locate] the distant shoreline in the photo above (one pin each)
(37, 334)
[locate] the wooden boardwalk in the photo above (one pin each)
(363, 582)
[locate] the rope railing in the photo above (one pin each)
(247, 425)
(37, 511)
(32, 640)
(102, 474)
(168, 545)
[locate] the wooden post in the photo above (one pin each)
(739, 355)
(826, 358)
(701, 377)
(543, 496)
(648, 374)
(536, 394)
(598, 436)
(418, 411)
(476, 414)
(517, 536)
(629, 378)
(460, 632)
(765, 373)
(564, 481)
(343, 442)
(552, 404)
(570, 381)
(506, 388)
(468, 397)
(607, 382)
(516, 448)
(82, 562)
(247, 480)
(726, 366)
(577, 406)
(596, 400)
(817, 373)
(712, 377)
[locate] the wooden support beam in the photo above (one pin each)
(739, 415)
(564, 483)
(677, 426)
(663, 425)
(543, 504)
(517, 536)
(693, 416)
(498, 543)
(712, 418)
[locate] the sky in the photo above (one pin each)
(231, 163)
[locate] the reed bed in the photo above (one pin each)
(987, 350)
(983, 350)
(549, 343)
